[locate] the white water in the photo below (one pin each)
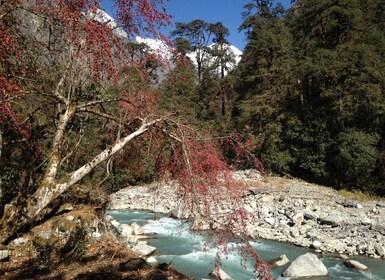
(187, 251)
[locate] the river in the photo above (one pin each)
(187, 252)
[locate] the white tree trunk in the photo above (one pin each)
(51, 189)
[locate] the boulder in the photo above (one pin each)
(4, 254)
(19, 241)
(334, 219)
(379, 249)
(152, 261)
(311, 215)
(126, 230)
(137, 229)
(366, 221)
(143, 249)
(181, 211)
(115, 224)
(218, 273)
(270, 221)
(298, 218)
(316, 244)
(355, 265)
(280, 261)
(248, 208)
(307, 265)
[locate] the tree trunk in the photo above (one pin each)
(1, 149)
(18, 217)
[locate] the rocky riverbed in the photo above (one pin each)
(286, 210)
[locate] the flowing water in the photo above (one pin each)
(187, 252)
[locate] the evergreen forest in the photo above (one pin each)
(306, 99)
(308, 95)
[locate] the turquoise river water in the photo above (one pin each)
(185, 250)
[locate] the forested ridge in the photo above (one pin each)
(308, 94)
(86, 110)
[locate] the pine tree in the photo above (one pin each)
(265, 82)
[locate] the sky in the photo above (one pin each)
(212, 11)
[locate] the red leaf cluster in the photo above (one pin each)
(142, 15)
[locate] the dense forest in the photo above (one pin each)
(307, 96)
(306, 99)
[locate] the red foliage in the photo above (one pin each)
(142, 15)
(9, 90)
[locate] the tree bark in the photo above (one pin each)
(1, 149)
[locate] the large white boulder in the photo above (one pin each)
(143, 249)
(307, 265)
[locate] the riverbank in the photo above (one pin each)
(285, 210)
(192, 254)
(81, 243)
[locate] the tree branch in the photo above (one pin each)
(96, 102)
(107, 116)
(56, 92)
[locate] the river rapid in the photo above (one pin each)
(187, 251)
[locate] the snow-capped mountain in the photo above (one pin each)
(156, 46)
(163, 50)
(209, 60)
(102, 17)
(160, 47)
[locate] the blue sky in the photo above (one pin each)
(226, 11)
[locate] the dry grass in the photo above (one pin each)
(359, 195)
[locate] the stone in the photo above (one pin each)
(355, 265)
(344, 257)
(65, 208)
(298, 218)
(177, 212)
(366, 221)
(115, 224)
(19, 241)
(152, 261)
(70, 218)
(133, 240)
(108, 218)
(280, 261)
(334, 219)
(248, 208)
(307, 265)
(218, 273)
(316, 244)
(270, 221)
(96, 235)
(253, 204)
(267, 199)
(45, 234)
(294, 232)
(144, 249)
(311, 215)
(126, 230)
(359, 206)
(4, 254)
(305, 229)
(263, 212)
(379, 249)
(137, 229)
